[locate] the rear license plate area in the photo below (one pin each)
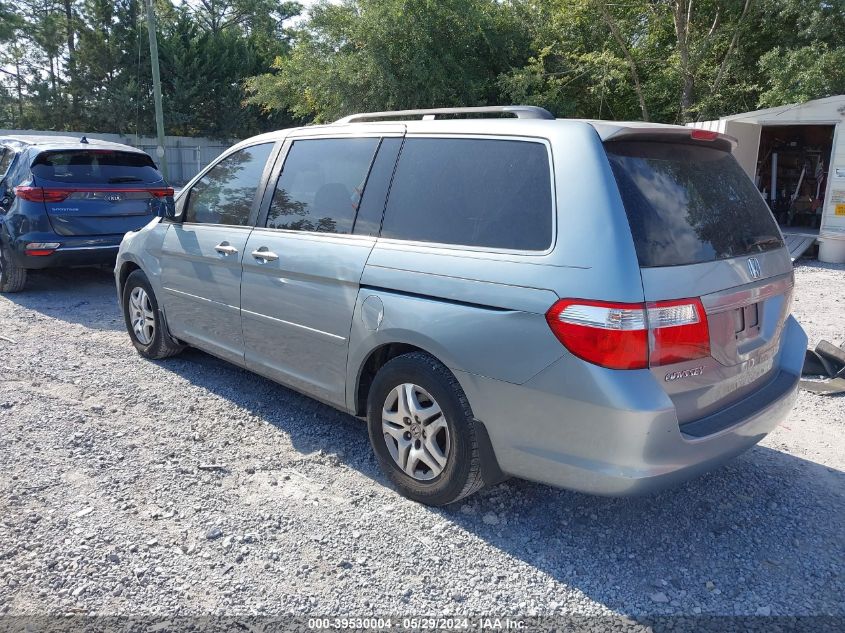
(747, 322)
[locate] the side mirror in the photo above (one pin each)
(169, 210)
(172, 210)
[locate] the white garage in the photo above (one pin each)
(796, 156)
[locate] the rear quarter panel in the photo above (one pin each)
(483, 312)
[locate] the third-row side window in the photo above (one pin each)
(472, 192)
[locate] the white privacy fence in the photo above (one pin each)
(186, 155)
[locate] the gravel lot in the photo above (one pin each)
(192, 487)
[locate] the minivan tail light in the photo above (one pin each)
(39, 194)
(612, 335)
(162, 192)
(679, 331)
(631, 335)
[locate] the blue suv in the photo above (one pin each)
(69, 201)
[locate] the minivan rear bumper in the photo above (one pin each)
(610, 432)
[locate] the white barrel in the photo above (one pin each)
(832, 248)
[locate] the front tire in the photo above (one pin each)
(423, 432)
(144, 319)
(12, 277)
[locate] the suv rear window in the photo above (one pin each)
(95, 166)
(688, 204)
(472, 192)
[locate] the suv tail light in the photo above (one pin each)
(41, 249)
(631, 335)
(39, 194)
(162, 192)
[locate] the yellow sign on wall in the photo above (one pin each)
(840, 209)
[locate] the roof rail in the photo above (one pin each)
(521, 112)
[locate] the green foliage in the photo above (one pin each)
(205, 51)
(9, 21)
(394, 54)
(666, 60)
(802, 74)
(231, 68)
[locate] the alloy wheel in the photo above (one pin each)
(141, 315)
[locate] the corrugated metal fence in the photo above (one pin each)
(186, 155)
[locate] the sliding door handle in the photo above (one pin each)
(265, 254)
(224, 248)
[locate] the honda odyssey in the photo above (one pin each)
(594, 305)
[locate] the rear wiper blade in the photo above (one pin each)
(125, 179)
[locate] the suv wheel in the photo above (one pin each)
(422, 430)
(12, 278)
(143, 319)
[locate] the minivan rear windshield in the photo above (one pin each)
(95, 166)
(688, 204)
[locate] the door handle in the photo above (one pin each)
(224, 248)
(265, 254)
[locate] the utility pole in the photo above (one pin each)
(151, 28)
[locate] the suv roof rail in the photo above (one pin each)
(521, 112)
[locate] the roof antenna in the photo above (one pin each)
(84, 139)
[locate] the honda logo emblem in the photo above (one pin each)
(754, 267)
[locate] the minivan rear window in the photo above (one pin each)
(95, 166)
(486, 193)
(688, 204)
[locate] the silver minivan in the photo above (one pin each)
(594, 305)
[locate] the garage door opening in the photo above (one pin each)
(792, 171)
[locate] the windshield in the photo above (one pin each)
(688, 204)
(96, 166)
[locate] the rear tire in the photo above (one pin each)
(12, 277)
(144, 320)
(423, 432)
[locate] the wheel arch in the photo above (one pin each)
(381, 355)
(373, 362)
(126, 268)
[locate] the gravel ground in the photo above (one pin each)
(192, 487)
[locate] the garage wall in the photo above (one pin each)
(835, 195)
(748, 135)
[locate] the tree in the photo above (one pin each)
(805, 61)
(9, 21)
(589, 53)
(204, 59)
(393, 54)
(626, 51)
(802, 74)
(232, 68)
(110, 38)
(85, 64)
